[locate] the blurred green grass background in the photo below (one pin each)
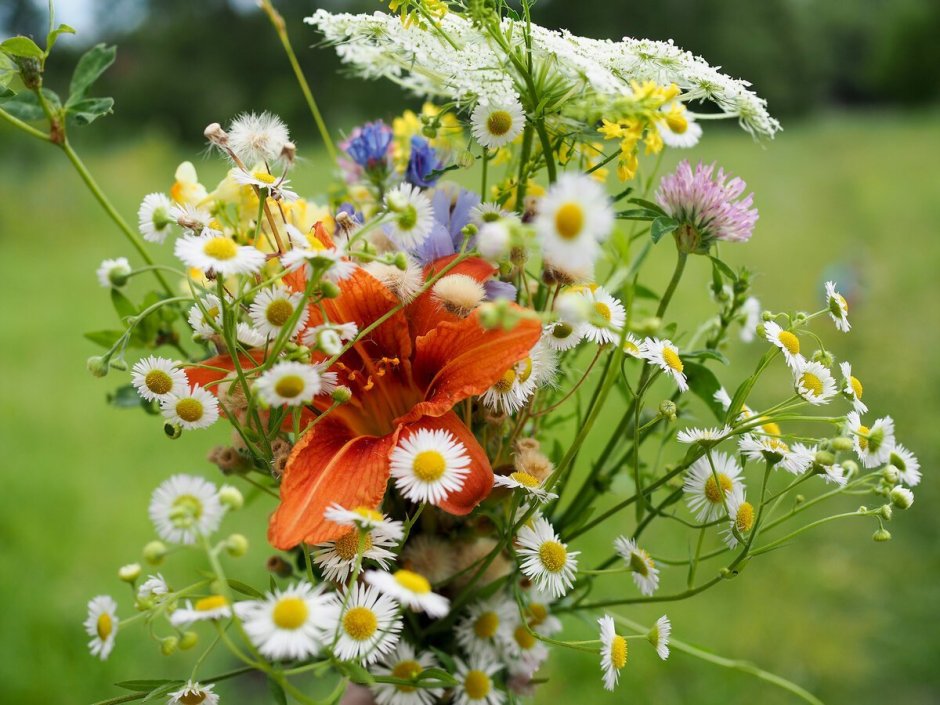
(851, 620)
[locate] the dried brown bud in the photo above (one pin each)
(216, 135)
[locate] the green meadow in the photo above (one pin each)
(852, 197)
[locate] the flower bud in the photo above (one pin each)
(289, 153)
(216, 135)
(279, 567)
(824, 357)
(902, 498)
(154, 552)
(766, 316)
(329, 342)
(342, 394)
(236, 545)
(841, 444)
(881, 535)
(231, 497)
(850, 467)
(799, 319)
(129, 573)
(885, 512)
(168, 645)
(401, 261)
(465, 159)
(329, 289)
(890, 475)
(667, 409)
(648, 326)
(98, 365)
(824, 458)
(188, 640)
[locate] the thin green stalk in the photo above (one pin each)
(28, 129)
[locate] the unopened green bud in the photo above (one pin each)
(824, 357)
(885, 512)
(850, 467)
(98, 365)
(231, 497)
(329, 289)
(799, 318)
(168, 645)
(429, 131)
(236, 545)
(465, 159)
(902, 498)
(401, 261)
(342, 394)
(469, 230)
(890, 475)
(841, 444)
(188, 640)
(799, 499)
(667, 409)
(766, 316)
(155, 552)
(881, 535)
(648, 326)
(129, 573)
(825, 458)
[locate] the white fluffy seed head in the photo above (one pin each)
(258, 138)
(458, 293)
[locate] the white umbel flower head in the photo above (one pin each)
(185, 507)
(101, 625)
(853, 388)
(814, 382)
(497, 124)
(113, 272)
(213, 251)
(288, 383)
(873, 444)
(740, 517)
(368, 626)
(194, 693)
(613, 652)
(838, 308)
(706, 489)
(194, 409)
(206, 609)
(409, 589)
(546, 560)
(365, 519)
(665, 355)
(404, 663)
(487, 627)
(289, 623)
(412, 216)
(907, 465)
(476, 686)
(155, 378)
(640, 563)
(258, 138)
(273, 309)
(786, 340)
(658, 636)
(337, 559)
(155, 217)
(429, 466)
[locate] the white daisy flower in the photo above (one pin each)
(249, 336)
(368, 627)
(194, 692)
(723, 398)
(337, 559)
(497, 124)
(562, 335)
(154, 378)
(404, 663)
(786, 340)
(814, 382)
(258, 138)
(365, 519)
(665, 355)
(289, 623)
(428, 466)
(526, 652)
(519, 382)
(530, 485)
(538, 612)
(310, 253)
(210, 307)
(155, 217)
(113, 272)
(192, 219)
(740, 516)
(273, 308)
(835, 474)
(610, 311)
(412, 216)
(288, 383)
(153, 586)
(679, 129)
(101, 625)
(330, 337)
(409, 589)
(772, 449)
(476, 686)
(705, 436)
(573, 218)
(874, 444)
(260, 177)
(706, 489)
(641, 564)
(853, 388)
(838, 308)
(907, 465)
(194, 409)
(218, 253)
(546, 560)
(185, 507)
(632, 346)
(205, 609)
(613, 652)
(494, 240)
(487, 628)
(658, 636)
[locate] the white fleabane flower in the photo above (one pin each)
(751, 314)
(658, 636)
(853, 388)
(814, 382)
(337, 559)
(329, 338)
(705, 488)
(772, 449)
(260, 177)
(545, 559)
(258, 138)
(194, 692)
(497, 124)
(155, 378)
(679, 129)
(101, 625)
(838, 308)
(704, 436)
(519, 382)
(429, 466)
(206, 609)
(740, 516)
(613, 652)
(412, 216)
(113, 272)
(249, 336)
(786, 341)
(487, 627)
(273, 309)
(368, 627)
(610, 311)
(475, 682)
(409, 589)
(873, 444)
(289, 623)
(309, 253)
(155, 217)
(185, 507)
(193, 409)
(530, 485)
(365, 519)
(213, 251)
(406, 664)
(665, 355)
(907, 465)
(562, 335)
(153, 586)
(192, 219)
(205, 316)
(642, 566)
(288, 383)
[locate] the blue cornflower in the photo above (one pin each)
(368, 145)
(422, 164)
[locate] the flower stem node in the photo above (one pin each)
(881, 535)
(342, 394)
(188, 640)
(667, 409)
(236, 545)
(129, 573)
(231, 497)
(169, 645)
(902, 498)
(155, 552)
(98, 365)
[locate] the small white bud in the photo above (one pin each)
(129, 573)
(902, 498)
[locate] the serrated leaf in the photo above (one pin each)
(87, 110)
(104, 338)
(144, 685)
(93, 63)
(21, 46)
(122, 305)
(54, 35)
(244, 589)
(704, 384)
(661, 227)
(277, 692)
(124, 397)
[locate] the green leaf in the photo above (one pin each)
(104, 338)
(643, 292)
(725, 269)
(143, 685)
(706, 355)
(25, 106)
(8, 70)
(244, 589)
(87, 110)
(704, 384)
(649, 205)
(446, 659)
(123, 305)
(125, 397)
(93, 63)
(6, 92)
(277, 692)
(661, 227)
(162, 690)
(55, 34)
(355, 672)
(637, 214)
(438, 675)
(21, 46)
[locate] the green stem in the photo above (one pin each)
(546, 150)
(523, 163)
(28, 129)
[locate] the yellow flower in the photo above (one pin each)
(186, 188)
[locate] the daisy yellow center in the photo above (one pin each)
(220, 248)
(631, 348)
(213, 602)
(618, 652)
(279, 312)
(360, 623)
(640, 563)
(863, 432)
(367, 513)
(856, 387)
(526, 370)
(524, 478)
(538, 613)
(677, 122)
(715, 490)
(189, 409)
(290, 613)
(504, 383)
(789, 341)
(498, 123)
(811, 383)
(776, 444)
(671, 358)
(477, 684)
(569, 220)
(158, 382)
(192, 697)
(406, 671)
(603, 310)
(486, 625)
(104, 626)
(213, 312)
(771, 429)
(553, 556)
(745, 518)
(429, 466)
(524, 638)
(264, 177)
(289, 386)
(347, 545)
(413, 582)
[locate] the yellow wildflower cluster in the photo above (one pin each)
(586, 155)
(418, 11)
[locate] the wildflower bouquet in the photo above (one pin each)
(433, 390)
